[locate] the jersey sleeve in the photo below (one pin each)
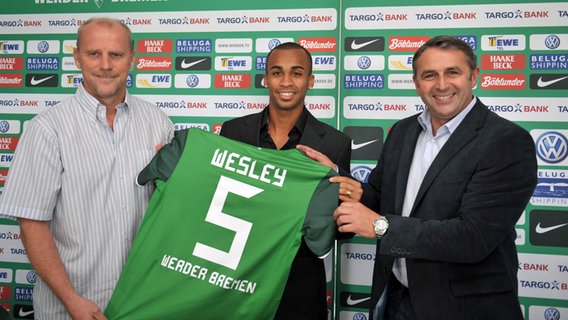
(319, 226)
(165, 161)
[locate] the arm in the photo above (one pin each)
(491, 179)
(45, 259)
(349, 189)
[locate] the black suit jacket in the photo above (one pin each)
(459, 241)
(305, 292)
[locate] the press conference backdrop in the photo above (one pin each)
(202, 63)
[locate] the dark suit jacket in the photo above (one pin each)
(305, 292)
(459, 241)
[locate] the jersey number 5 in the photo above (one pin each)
(216, 216)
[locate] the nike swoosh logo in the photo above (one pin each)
(188, 65)
(356, 301)
(541, 83)
(356, 146)
(35, 82)
(542, 230)
(23, 313)
(357, 46)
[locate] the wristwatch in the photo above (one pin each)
(381, 225)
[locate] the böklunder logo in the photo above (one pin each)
(11, 80)
(503, 81)
(410, 43)
(318, 44)
(154, 63)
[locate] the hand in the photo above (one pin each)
(349, 189)
(316, 155)
(355, 217)
(84, 309)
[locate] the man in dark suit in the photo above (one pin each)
(444, 198)
(283, 124)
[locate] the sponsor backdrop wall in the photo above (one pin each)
(202, 63)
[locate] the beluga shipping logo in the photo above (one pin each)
(99, 3)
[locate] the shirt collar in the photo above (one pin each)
(93, 107)
(425, 118)
(300, 124)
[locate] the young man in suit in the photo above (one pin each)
(444, 198)
(283, 124)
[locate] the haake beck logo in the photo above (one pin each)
(366, 142)
(549, 228)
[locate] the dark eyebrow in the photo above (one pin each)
(293, 67)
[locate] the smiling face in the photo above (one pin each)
(105, 56)
(445, 82)
(288, 78)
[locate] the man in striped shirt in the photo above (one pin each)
(72, 184)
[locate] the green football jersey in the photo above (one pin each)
(222, 229)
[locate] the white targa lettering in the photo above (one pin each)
(246, 166)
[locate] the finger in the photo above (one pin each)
(345, 191)
(353, 184)
(340, 179)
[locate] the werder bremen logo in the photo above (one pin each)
(99, 3)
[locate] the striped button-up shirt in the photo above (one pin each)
(72, 170)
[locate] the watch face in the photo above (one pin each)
(381, 225)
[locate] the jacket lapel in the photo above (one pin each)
(312, 136)
(465, 132)
(251, 132)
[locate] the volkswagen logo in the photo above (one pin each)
(552, 147)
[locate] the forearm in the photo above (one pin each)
(44, 257)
